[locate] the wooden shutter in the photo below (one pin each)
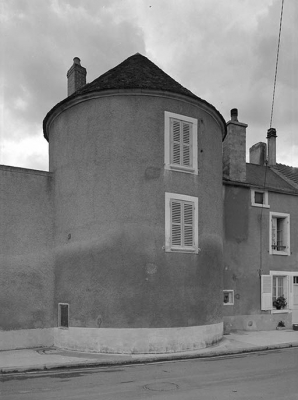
(290, 297)
(176, 223)
(266, 292)
(186, 144)
(188, 224)
(274, 233)
(175, 142)
(182, 223)
(181, 143)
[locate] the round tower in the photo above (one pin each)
(137, 167)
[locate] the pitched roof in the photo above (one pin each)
(262, 176)
(287, 172)
(136, 72)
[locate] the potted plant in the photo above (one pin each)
(280, 303)
(281, 325)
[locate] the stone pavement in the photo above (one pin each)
(44, 359)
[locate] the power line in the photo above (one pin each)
(277, 55)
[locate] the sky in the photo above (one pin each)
(224, 51)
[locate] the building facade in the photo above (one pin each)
(127, 244)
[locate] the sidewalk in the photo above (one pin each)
(42, 359)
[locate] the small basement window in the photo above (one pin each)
(63, 315)
(228, 297)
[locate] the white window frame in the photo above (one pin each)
(193, 169)
(267, 291)
(231, 297)
(168, 223)
(59, 316)
(286, 233)
(265, 198)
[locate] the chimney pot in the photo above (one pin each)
(234, 114)
(271, 133)
(77, 61)
(271, 145)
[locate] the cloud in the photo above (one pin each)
(223, 51)
(38, 43)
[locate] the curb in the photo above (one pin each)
(141, 359)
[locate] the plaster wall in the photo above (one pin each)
(246, 252)
(26, 284)
(107, 156)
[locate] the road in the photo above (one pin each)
(263, 375)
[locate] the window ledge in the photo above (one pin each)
(286, 311)
(182, 250)
(279, 253)
(179, 168)
(260, 205)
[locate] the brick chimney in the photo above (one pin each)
(257, 154)
(76, 76)
(234, 149)
(271, 144)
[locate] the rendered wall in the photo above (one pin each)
(107, 157)
(26, 284)
(246, 253)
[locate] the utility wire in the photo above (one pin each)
(271, 117)
(277, 56)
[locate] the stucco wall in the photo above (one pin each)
(26, 284)
(107, 156)
(246, 248)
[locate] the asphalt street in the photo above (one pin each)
(261, 375)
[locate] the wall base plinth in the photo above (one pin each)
(138, 340)
(26, 338)
(257, 322)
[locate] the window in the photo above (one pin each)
(228, 297)
(277, 284)
(181, 143)
(278, 287)
(279, 234)
(259, 198)
(63, 315)
(181, 223)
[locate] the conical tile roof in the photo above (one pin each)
(136, 72)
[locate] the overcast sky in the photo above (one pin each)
(224, 51)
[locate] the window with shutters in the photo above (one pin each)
(279, 234)
(181, 223)
(259, 198)
(277, 284)
(181, 143)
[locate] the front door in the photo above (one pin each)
(295, 300)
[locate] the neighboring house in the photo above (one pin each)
(261, 231)
(126, 244)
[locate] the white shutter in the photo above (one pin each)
(274, 232)
(186, 144)
(176, 223)
(188, 224)
(266, 292)
(290, 297)
(175, 142)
